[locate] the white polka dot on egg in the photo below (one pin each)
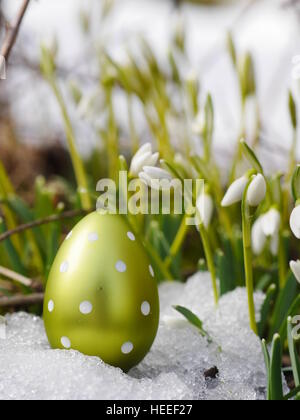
(121, 267)
(93, 236)
(151, 271)
(86, 307)
(145, 308)
(66, 343)
(127, 348)
(64, 267)
(131, 236)
(50, 306)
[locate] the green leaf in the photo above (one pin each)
(247, 77)
(171, 167)
(13, 255)
(224, 272)
(296, 184)
(293, 353)
(264, 282)
(266, 309)
(295, 393)
(283, 304)
(209, 120)
(194, 320)
(267, 363)
(231, 48)
(293, 110)
(276, 386)
(201, 167)
(293, 310)
(251, 157)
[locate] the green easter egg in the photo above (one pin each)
(101, 297)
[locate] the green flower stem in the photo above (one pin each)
(112, 136)
(210, 260)
(246, 222)
(76, 160)
(282, 262)
(293, 159)
(133, 133)
(178, 242)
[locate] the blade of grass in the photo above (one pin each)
(293, 353)
(48, 68)
(266, 309)
(283, 304)
(267, 363)
(276, 386)
(194, 320)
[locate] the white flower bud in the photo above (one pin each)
(271, 222)
(154, 177)
(295, 267)
(144, 157)
(205, 207)
(157, 173)
(235, 192)
(295, 222)
(199, 124)
(256, 191)
(258, 237)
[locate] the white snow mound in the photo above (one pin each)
(174, 368)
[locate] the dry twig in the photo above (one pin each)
(13, 31)
(21, 300)
(51, 219)
(15, 276)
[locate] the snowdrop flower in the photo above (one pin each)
(271, 222)
(199, 124)
(235, 192)
(152, 176)
(259, 239)
(205, 207)
(256, 191)
(295, 267)
(266, 227)
(143, 157)
(295, 222)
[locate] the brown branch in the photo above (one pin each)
(21, 300)
(13, 31)
(16, 277)
(51, 219)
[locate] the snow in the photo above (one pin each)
(174, 369)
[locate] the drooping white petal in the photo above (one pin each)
(138, 162)
(157, 173)
(152, 161)
(143, 157)
(295, 267)
(235, 192)
(146, 148)
(256, 191)
(271, 222)
(258, 237)
(295, 222)
(205, 206)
